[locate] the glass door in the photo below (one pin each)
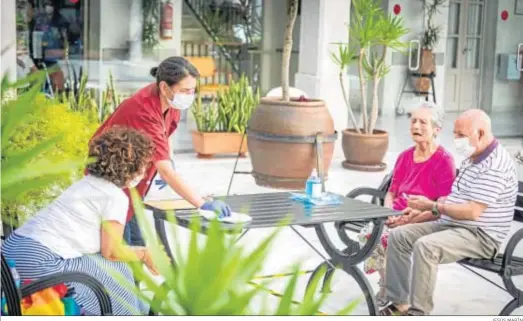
(464, 54)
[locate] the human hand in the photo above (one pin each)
(147, 259)
(408, 215)
(218, 207)
(420, 203)
(391, 220)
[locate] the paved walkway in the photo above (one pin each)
(458, 291)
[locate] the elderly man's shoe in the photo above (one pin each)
(414, 312)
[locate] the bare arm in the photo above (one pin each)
(389, 198)
(468, 211)
(168, 174)
(423, 217)
(113, 248)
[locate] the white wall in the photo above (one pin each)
(8, 38)
(115, 28)
(115, 21)
(413, 18)
(323, 24)
(274, 22)
(172, 47)
(507, 94)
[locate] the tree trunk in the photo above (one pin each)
(347, 102)
(375, 104)
(287, 49)
(376, 81)
(363, 89)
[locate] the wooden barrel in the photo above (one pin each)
(282, 141)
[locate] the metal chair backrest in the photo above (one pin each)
(12, 294)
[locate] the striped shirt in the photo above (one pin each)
(490, 179)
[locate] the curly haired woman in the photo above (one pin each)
(82, 229)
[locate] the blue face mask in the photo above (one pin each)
(181, 101)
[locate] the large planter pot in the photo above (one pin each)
(427, 66)
(281, 141)
(365, 152)
(207, 145)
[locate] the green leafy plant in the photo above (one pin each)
(230, 112)
(84, 99)
(372, 33)
(151, 22)
(111, 99)
(431, 34)
(43, 148)
(214, 277)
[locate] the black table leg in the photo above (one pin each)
(357, 253)
(349, 258)
(356, 274)
(159, 224)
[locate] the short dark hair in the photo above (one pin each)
(173, 69)
(120, 153)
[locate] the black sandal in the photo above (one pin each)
(391, 310)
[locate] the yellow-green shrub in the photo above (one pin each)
(48, 120)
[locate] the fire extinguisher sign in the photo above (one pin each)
(166, 23)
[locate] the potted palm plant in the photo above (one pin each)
(429, 40)
(282, 130)
(372, 34)
(221, 124)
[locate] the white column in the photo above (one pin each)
(323, 22)
(135, 30)
(172, 47)
(8, 38)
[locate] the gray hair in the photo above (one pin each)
(437, 113)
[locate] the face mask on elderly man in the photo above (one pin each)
(463, 146)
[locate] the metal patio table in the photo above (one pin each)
(270, 209)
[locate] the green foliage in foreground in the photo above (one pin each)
(215, 276)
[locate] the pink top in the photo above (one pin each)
(432, 178)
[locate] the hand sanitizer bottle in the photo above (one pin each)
(313, 185)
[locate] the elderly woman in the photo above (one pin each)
(425, 169)
(82, 229)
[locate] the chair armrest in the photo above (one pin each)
(367, 191)
(55, 279)
(509, 250)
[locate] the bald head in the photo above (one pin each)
(475, 125)
(476, 119)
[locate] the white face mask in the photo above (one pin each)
(463, 147)
(135, 182)
(181, 101)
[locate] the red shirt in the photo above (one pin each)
(432, 178)
(144, 112)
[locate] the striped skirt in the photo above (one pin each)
(34, 260)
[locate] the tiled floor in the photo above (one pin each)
(458, 291)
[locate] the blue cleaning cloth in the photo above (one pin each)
(324, 199)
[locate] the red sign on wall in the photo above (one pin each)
(504, 15)
(396, 9)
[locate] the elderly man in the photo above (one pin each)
(472, 221)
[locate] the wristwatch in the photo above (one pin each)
(435, 210)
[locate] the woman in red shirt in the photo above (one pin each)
(155, 110)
